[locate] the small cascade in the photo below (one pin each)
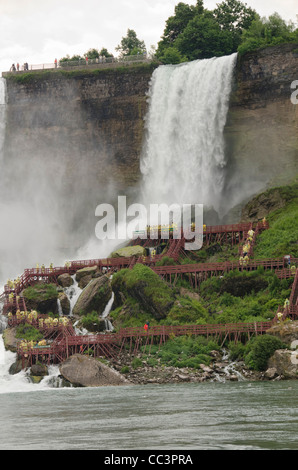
(59, 307)
(105, 313)
(73, 293)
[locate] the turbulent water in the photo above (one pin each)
(183, 159)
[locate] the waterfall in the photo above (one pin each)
(73, 292)
(183, 159)
(105, 313)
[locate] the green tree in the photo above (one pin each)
(235, 17)
(204, 38)
(131, 45)
(265, 32)
(171, 55)
(175, 25)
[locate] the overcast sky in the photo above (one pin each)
(38, 31)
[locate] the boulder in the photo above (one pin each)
(89, 372)
(65, 280)
(129, 251)
(94, 297)
(284, 362)
(9, 338)
(89, 271)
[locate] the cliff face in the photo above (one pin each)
(87, 120)
(262, 127)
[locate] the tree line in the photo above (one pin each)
(194, 32)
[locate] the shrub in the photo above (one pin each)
(260, 349)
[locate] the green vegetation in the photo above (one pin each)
(41, 292)
(244, 296)
(28, 332)
(131, 45)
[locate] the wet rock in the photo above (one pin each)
(65, 280)
(64, 302)
(94, 297)
(271, 373)
(39, 370)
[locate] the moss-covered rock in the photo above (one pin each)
(89, 271)
(146, 288)
(94, 297)
(41, 297)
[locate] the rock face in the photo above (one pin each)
(89, 372)
(261, 131)
(94, 297)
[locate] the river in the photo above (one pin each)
(196, 416)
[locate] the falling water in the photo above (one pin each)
(105, 313)
(73, 292)
(183, 159)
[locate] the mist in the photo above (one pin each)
(49, 189)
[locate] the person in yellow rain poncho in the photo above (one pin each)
(286, 303)
(279, 316)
